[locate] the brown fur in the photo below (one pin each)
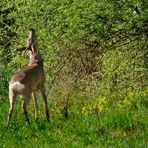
(31, 77)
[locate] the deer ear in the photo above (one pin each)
(23, 49)
(38, 59)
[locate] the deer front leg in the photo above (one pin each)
(42, 89)
(35, 105)
(11, 99)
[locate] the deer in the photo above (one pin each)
(28, 80)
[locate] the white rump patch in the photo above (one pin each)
(17, 86)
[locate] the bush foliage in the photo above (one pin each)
(95, 58)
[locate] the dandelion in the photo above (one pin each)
(83, 110)
(94, 106)
(103, 100)
(100, 108)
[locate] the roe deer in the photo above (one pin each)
(28, 80)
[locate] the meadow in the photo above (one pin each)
(98, 124)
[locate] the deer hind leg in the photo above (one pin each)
(25, 104)
(42, 89)
(12, 97)
(35, 105)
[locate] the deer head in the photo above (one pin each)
(32, 47)
(32, 43)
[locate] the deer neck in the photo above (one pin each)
(35, 60)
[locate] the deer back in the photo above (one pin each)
(30, 77)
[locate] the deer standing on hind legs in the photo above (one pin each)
(27, 81)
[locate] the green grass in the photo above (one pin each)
(118, 128)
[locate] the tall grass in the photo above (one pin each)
(117, 125)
